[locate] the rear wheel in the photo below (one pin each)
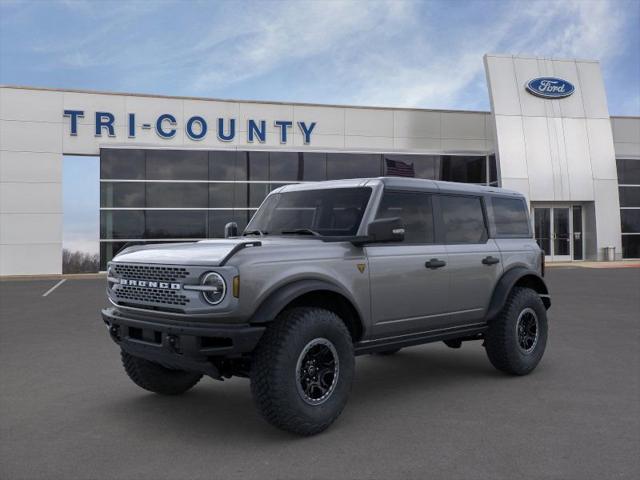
(302, 370)
(156, 378)
(516, 339)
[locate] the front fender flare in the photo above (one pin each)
(527, 277)
(285, 294)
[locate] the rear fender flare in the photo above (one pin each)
(511, 278)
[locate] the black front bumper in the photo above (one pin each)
(180, 344)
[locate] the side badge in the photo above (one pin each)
(361, 267)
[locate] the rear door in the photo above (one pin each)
(409, 279)
(474, 259)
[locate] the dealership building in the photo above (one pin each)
(178, 168)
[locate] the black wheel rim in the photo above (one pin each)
(527, 330)
(317, 371)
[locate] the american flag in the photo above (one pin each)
(397, 168)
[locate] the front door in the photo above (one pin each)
(558, 231)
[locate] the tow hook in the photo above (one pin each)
(114, 331)
(174, 344)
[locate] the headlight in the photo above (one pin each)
(110, 277)
(215, 288)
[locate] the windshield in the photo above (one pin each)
(325, 212)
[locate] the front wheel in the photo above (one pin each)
(516, 339)
(302, 370)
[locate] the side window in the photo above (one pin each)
(415, 212)
(463, 219)
(510, 217)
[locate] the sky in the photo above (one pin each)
(380, 53)
(390, 53)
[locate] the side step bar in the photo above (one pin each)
(419, 338)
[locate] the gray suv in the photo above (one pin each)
(325, 272)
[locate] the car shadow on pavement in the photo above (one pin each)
(226, 408)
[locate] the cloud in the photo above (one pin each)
(387, 52)
(276, 38)
(563, 29)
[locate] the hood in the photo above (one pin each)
(205, 252)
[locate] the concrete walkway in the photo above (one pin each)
(579, 264)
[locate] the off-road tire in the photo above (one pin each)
(502, 342)
(274, 375)
(156, 378)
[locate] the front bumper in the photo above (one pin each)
(180, 344)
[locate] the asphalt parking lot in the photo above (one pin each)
(69, 412)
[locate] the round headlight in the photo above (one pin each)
(110, 276)
(216, 288)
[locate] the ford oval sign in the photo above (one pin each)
(550, 87)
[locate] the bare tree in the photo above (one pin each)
(79, 262)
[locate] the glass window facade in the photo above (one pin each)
(629, 191)
(172, 195)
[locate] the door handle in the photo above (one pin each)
(490, 260)
(435, 263)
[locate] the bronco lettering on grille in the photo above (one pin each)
(150, 284)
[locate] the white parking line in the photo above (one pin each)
(54, 287)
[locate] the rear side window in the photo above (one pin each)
(510, 217)
(463, 219)
(415, 212)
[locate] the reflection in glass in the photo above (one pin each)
(177, 165)
(258, 166)
(221, 195)
(628, 171)
(463, 219)
(631, 246)
(334, 212)
(314, 166)
(285, 166)
(177, 195)
(510, 217)
(257, 194)
(561, 240)
(123, 164)
(542, 221)
(353, 165)
(121, 224)
(493, 171)
(122, 195)
(219, 218)
(577, 232)
(629, 196)
(467, 169)
(176, 224)
(630, 221)
(414, 210)
(226, 165)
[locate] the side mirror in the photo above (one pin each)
(386, 230)
(231, 230)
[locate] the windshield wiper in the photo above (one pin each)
(254, 232)
(301, 231)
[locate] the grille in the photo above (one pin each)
(150, 295)
(153, 273)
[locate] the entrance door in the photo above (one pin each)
(561, 234)
(558, 231)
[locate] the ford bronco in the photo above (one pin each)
(324, 272)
